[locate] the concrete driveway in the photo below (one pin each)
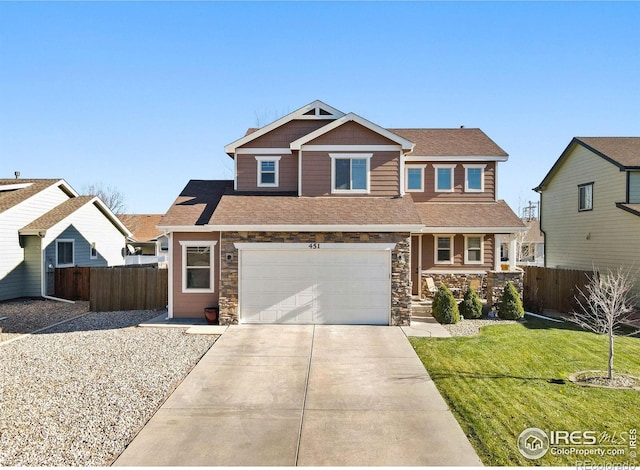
(304, 395)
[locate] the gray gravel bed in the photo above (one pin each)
(471, 327)
(76, 394)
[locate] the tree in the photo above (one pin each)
(112, 198)
(444, 307)
(605, 304)
(510, 307)
(470, 307)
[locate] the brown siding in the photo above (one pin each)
(192, 305)
(351, 133)
(247, 168)
(316, 174)
(428, 254)
(488, 195)
(287, 133)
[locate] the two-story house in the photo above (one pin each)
(590, 203)
(333, 219)
(45, 224)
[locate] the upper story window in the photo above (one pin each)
(414, 178)
(585, 197)
(444, 178)
(268, 172)
(634, 187)
(350, 172)
(64, 253)
(198, 266)
(474, 178)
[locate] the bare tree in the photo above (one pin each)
(113, 198)
(605, 304)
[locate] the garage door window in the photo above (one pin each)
(197, 266)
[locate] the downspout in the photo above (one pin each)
(544, 234)
(169, 235)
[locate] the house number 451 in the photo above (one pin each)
(314, 246)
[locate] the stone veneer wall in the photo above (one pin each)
(400, 269)
(496, 280)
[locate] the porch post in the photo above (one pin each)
(496, 252)
(513, 254)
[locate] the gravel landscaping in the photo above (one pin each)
(76, 394)
(471, 327)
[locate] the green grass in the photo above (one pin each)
(499, 383)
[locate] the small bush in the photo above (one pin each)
(510, 307)
(444, 307)
(470, 307)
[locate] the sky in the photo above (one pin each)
(143, 96)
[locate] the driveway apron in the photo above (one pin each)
(304, 395)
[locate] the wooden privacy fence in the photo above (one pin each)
(115, 288)
(121, 288)
(72, 283)
(553, 288)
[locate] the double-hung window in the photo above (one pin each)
(585, 197)
(443, 249)
(473, 249)
(444, 178)
(198, 266)
(414, 178)
(350, 173)
(268, 172)
(474, 178)
(64, 253)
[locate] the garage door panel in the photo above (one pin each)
(315, 286)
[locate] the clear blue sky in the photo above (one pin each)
(144, 96)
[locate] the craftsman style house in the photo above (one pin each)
(590, 205)
(333, 219)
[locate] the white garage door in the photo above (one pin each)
(315, 286)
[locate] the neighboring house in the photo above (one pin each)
(147, 244)
(45, 224)
(529, 245)
(590, 204)
(333, 219)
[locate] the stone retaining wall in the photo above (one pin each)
(496, 280)
(459, 282)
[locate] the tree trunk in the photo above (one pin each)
(610, 355)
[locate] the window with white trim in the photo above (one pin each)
(585, 197)
(198, 266)
(64, 253)
(268, 172)
(444, 178)
(350, 172)
(414, 178)
(474, 249)
(443, 249)
(474, 178)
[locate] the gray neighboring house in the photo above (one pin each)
(45, 224)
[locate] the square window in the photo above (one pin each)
(444, 250)
(585, 197)
(473, 250)
(444, 178)
(64, 253)
(197, 266)
(415, 178)
(474, 179)
(350, 174)
(268, 169)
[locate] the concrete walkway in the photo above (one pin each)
(304, 395)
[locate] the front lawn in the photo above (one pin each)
(509, 378)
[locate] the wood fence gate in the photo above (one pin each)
(72, 283)
(553, 288)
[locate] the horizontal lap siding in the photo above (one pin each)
(247, 167)
(605, 236)
(192, 305)
(351, 133)
(428, 253)
(287, 133)
(458, 195)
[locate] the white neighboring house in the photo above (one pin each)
(45, 224)
(590, 205)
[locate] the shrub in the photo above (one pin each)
(510, 307)
(471, 307)
(444, 307)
